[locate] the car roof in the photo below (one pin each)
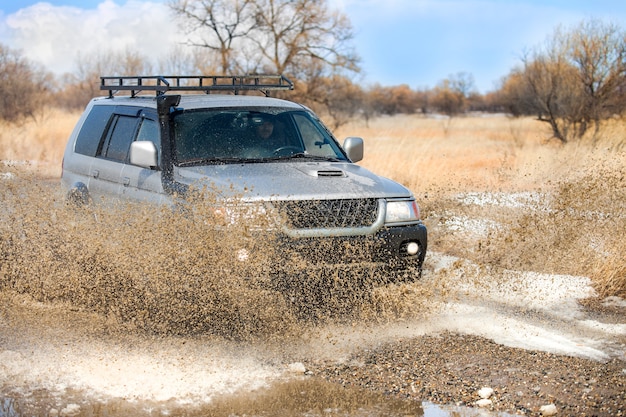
(199, 101)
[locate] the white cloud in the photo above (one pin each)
(56, 35)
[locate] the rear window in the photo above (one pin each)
(91, 133)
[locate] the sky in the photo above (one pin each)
(413, 42)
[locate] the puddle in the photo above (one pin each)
(307, 397)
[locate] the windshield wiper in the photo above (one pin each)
(304, 155)
(228, 160)
(213, 161)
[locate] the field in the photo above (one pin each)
(519, 227)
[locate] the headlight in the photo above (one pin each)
(402, 211)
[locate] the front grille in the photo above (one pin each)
(326, 214)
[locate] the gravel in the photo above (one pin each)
(452, 368)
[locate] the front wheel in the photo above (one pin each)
(78, 195)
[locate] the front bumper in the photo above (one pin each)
(387, 247)
(392, 244)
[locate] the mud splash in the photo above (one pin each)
(166, 270)
(56, 360)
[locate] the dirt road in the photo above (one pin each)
(451, 369)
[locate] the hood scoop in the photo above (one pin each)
(330, 173)
(315, 170)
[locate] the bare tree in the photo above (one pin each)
(598, 52)
(291, 37)
(574, 82)
(553, 94)
(297, 33)
(335, 98)
(222, 26)
(301, 39)
(24, 85)
(449, 97)
(462, 83)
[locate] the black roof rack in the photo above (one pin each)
(206, 83)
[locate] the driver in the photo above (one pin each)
(265, 129)
(267, 133)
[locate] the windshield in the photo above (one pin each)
(251, 135)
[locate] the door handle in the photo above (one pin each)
(126, 181)
(95, 173)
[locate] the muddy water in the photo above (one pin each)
(295, 398)
(59, 360)
(135, 310)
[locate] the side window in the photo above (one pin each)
(93, 129)
(121, 134)
(315, 140)
(149, 130)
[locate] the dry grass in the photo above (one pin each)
(38, 141)
(471, 153)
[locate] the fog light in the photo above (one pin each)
(412, 248)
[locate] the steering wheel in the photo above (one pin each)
(283, 149)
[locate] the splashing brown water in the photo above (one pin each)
(171, 271)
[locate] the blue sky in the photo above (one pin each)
(414, 42)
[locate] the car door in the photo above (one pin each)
(140, 183)
(106, 170)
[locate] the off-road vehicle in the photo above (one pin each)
(143, 142)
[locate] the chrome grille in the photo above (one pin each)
(326, 214)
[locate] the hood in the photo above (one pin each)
(297, 180)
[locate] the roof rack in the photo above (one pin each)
(206, 83)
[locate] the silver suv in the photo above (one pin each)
(267, 151)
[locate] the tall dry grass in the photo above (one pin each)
(38, 141)
(433, 155)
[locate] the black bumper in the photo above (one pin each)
(388, 247)
(392, 244)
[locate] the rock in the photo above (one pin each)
(548, 410)
(485, 392)
(484, 402)
(243, 255)
(297, 368)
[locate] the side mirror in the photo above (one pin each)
(143, 153)
(354, 148)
